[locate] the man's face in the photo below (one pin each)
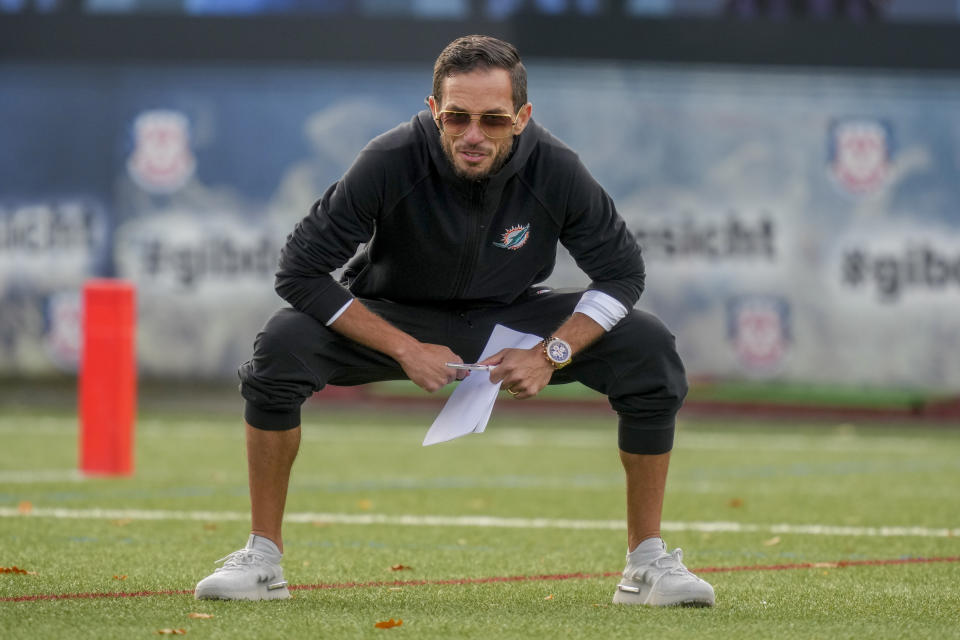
(472, 154)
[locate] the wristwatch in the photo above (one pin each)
(557, 352)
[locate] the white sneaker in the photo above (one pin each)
(252, 573)
(664, 582)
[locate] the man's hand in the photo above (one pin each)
(425, 365)
(524, 372)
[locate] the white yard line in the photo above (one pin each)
(478, 521)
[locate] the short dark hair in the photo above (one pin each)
(481, 52)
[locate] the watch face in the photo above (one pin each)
(558, 350)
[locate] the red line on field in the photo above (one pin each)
(94, 595)
(841, 564)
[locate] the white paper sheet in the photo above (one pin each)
(470, 405)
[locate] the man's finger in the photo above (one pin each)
(495, 359)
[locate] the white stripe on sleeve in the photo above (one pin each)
(339, 313)
(603, 308)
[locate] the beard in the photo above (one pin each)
(501, 153)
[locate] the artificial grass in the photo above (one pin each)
(551, 466)
(758, 393)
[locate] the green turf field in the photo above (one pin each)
(767, 510)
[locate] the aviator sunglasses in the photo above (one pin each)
(493, 125)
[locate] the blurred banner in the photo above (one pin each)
(796, 227)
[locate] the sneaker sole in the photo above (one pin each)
(625, 594)
(259, 593)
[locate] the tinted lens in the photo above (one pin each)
(493, 125)
(496, 125)
(454, 122)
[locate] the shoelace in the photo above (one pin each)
(237, 559)
(665, 564)
(672, 562)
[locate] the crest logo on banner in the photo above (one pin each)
(161, 161)
(860, 154)
(758, 328)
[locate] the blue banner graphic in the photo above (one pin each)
(796, 227)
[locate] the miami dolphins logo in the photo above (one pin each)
(514, 237)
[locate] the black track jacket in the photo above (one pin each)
(437, 239)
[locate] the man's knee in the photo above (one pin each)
(645, 337)
(288, 331)
(277, 380)
(648, 361)
(651, 384)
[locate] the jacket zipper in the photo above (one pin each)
(474, 235)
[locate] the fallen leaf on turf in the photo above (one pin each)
(735, 503)
(400, 567)
(123, 577)
(25, 507)
(17, 570)
(171, 632)
(388, 624)
(121, 523)
(201, 616)
(395, 589)
(365, 504)
(549, 597)
(210, 526)
(772, 541)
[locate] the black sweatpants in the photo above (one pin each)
(635, 364)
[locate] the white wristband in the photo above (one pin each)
(603, 308)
